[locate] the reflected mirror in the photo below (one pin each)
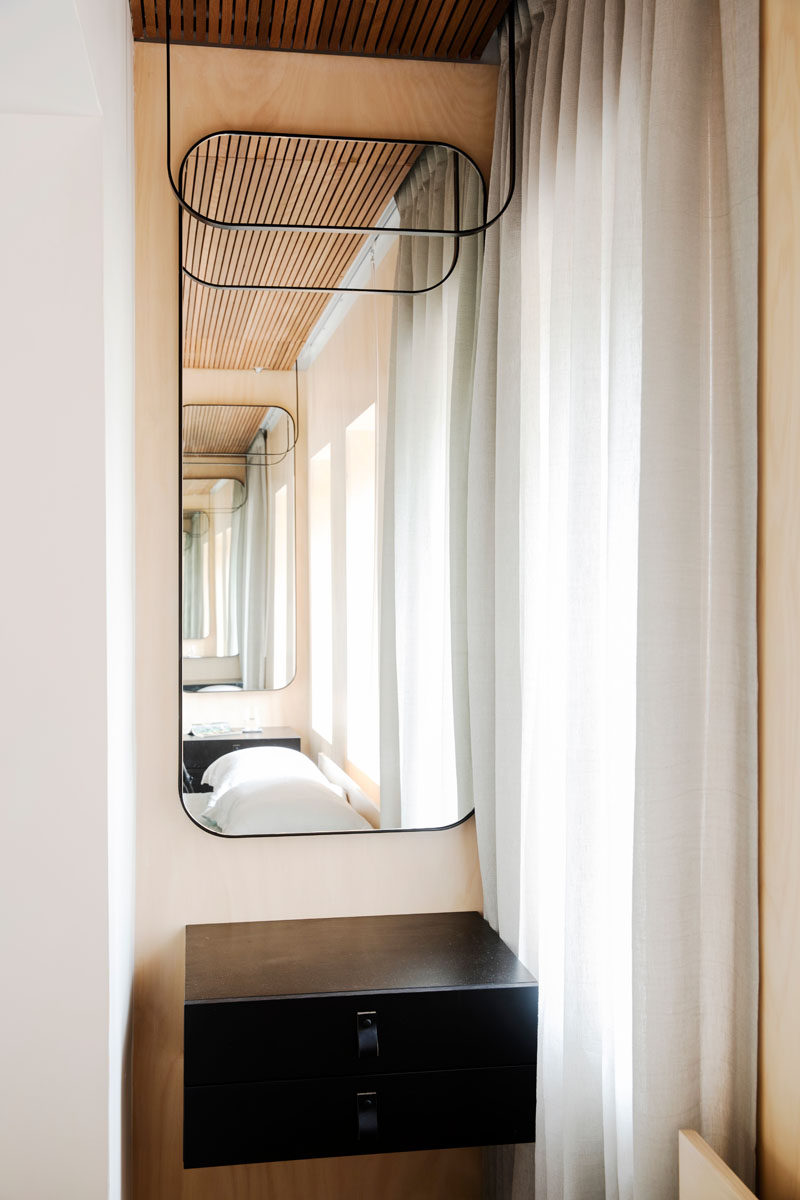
(238, 548)
(367, 735)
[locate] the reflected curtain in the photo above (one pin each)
(235, 575)
(271, 537)
(195, 560)
(280, 649)
(422, 735)
(250, 539)
(611, 626)
(223, 533)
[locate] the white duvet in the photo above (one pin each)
(271, 789)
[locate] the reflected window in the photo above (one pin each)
(280, 623)
(321, 593)
(362, 641)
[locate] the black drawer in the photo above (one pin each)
(366, 1114)
(236, 1041)
(354, 1035)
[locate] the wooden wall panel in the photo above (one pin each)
(703, 1174)
(183, 874)
(779, 604)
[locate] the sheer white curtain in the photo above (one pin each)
(423, 739)
(250, 537)
(223, 505)
(611, 572)
(195, 574)
(280, 551)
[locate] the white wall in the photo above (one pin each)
(66, 381)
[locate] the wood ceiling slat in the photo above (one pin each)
(213, 22)
(192, 20)
(314, 20)
(226, 33)
(374, 28)
(208, 201)
(485, 24)
(397, 14)
(252, 15)
(175, 30)
(233, 167)
(220, 428)
(300, 33)
(342, 16)
(328, 11)
(382, 182)
(406, 30)
(239, 21)
(190, 232)
(151, 24)
(456, 30)
(431, 27)
(270, 23)
(354, 19)
(280, 337)
(458, 25)
(247, 243)
(196, 174)
(279, 179)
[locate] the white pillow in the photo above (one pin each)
(267, 764)
(281, 806)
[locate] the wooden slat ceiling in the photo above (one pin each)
(220, 428)
(455, 30)
(287, 180)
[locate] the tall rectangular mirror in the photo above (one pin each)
(322, 605)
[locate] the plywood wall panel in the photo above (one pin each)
(183, 874)
(779, 605)
(703, 1174)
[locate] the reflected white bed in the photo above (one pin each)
(270, 789)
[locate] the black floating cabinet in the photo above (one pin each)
(356, 1035)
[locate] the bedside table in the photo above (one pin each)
(355, 1035)
(200, 752)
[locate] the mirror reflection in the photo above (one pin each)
(238, 548)
(371, 733)
(195, 573)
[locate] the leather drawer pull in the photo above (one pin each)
(367, 1104)
(367, 1030)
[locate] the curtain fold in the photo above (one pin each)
(252, 597)
(195, 568)
(610, 567)
(223, 506)
(424, 739)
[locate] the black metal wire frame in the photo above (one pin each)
(276, 227)
(333, 288)
(223, 458)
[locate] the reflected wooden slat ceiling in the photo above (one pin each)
(455, 30)
(220, 428)
(287, 180)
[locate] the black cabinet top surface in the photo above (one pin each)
(277, 732)
(441, 951)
